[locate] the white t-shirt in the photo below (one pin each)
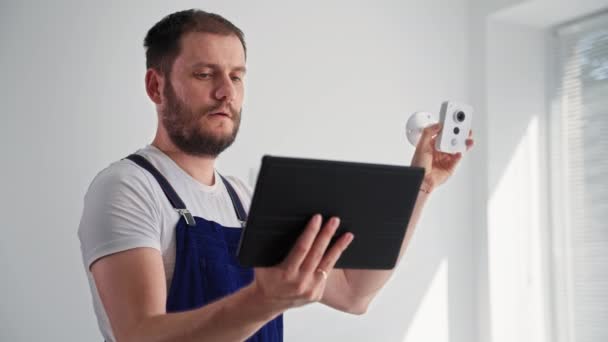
(125, 208)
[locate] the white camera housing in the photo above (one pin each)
(447, 141)
(455, 118)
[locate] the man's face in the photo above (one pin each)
(203, 96)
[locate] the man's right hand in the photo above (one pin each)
(132, 288)
(301, 278)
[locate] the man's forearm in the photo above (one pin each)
(233, 318)
(365, 284)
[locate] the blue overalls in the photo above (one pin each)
(206, 267)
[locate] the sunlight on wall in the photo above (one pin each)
(515, 247)
(430, 322)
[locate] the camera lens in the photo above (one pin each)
(460, 116)
(456, 130)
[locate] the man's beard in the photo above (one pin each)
(185, 131)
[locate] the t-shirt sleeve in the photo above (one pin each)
(120, 212)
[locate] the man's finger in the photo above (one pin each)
(302, 246)
(428, 133)
(470, 143)
(333, 254)
(319, 247)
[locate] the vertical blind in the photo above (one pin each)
(579, 179)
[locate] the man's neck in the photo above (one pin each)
(200, 168)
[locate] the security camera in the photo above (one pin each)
(455, 118)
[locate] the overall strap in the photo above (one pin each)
(236, 202)
(175, 200)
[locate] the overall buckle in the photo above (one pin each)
(187, 216)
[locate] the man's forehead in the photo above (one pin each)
(207, 48)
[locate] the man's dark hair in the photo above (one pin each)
(162, 42)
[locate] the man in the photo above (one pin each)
(159, 229)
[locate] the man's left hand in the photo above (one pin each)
(439, 166)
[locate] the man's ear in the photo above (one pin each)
(154, 85)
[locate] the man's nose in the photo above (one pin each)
(225, 90)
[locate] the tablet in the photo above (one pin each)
(374, 202)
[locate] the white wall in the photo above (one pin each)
(326, 80)
(511, 232)
(516, 102)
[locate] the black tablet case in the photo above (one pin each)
(373, 201)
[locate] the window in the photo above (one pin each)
(579, 179)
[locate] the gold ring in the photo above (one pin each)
(323, 272)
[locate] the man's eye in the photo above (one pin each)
(236, 78)
(203, 75)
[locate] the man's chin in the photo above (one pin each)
(219, 133)
(205, 148)
(217, 124)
